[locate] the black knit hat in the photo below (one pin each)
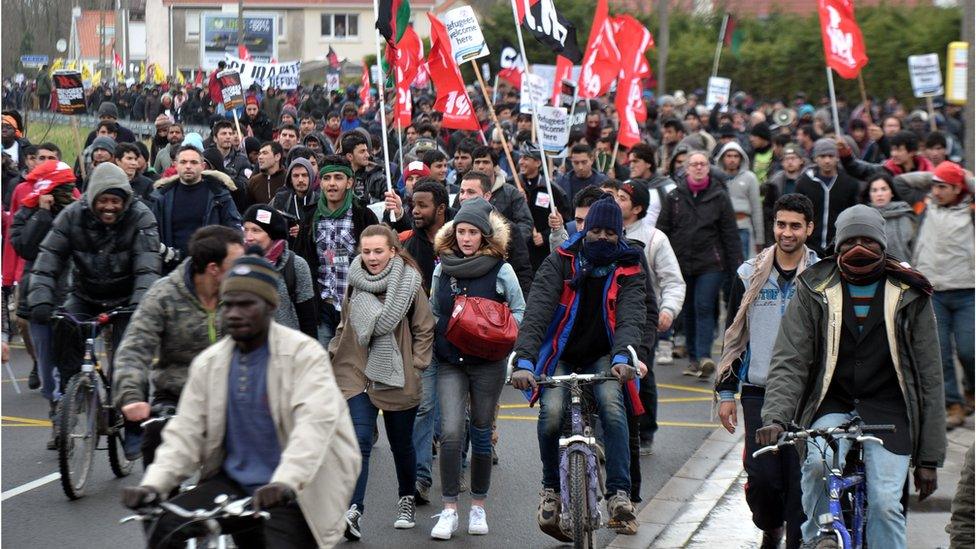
(762, 131)
(605, 214)
(269, 219)
(254, 275)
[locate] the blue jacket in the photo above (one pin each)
(220, 206)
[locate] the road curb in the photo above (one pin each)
(678, 509)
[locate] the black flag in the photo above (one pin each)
(550, 28)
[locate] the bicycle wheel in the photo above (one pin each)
(78, 434)
(824, 541)
(579, 501)
(121, 466)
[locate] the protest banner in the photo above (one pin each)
(718, 91)
(332, 81)
(925, 74)
(70, 92)
(267, 75)
(231, 91)
(553, 129)
(464, 32)
(957, 67)
(535, 91)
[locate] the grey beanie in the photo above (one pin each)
(860, 220)
(103, 142)
(824, 146)
(105, 177)
(475, 211)
(108, 109)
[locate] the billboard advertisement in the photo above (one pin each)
(218, 37)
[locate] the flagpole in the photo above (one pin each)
(494, 120)
(535, 122)
(718, 46)
(833, 102)
(380, 86)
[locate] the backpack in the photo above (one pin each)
(288, 273)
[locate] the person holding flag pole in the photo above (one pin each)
(380, 84)
(494, 120)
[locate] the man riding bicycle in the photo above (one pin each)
(859, 339)
(112, 244)
(260, 415)
(177, 317)
(592, 271)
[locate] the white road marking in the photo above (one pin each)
(29, 486)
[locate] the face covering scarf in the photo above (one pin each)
(860, 265)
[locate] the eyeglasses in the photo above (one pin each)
(697, 164)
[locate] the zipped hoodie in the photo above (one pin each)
(743, 189)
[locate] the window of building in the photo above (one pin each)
(192, 26)
(281, 27)
(340, 25)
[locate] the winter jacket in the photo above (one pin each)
(370, 184)
(552, 311)
(702, 229)
(961, 523)
(320, 458)
(944, 248)
(763, 320)
(296, 307)
(114, 265)
(743, 189)
(900, 225)
(510, 202)
(238, 167)
(866, 170)
(830, 196)
(286, 201)
(664, 271)
(415, 338)
(261, 126)
(914, 187)
(805, 357)
(659, 188)
(571, 183)
(172, 324)
(29, 227)
(538, 198)
(163, 159)
(220, 207)
(262, 188)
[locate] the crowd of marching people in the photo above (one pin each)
(294, 239)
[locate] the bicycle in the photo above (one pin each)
(214, 538)
(581, 475)
(834, 532)
(86, 413)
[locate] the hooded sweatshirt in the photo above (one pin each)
(743, 189)
(287, 201)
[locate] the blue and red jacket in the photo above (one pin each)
(567, 313)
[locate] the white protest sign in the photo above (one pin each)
(267, 75)
(553, 129)
(718, 91)
(925, 74)
(535, 91)
(19, 78)
(332, 81)
(464, 32)
(957, 67)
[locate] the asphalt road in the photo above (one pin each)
(36, 513)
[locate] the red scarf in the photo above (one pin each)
(274, 252)
(697, 186)
(922, 164)
(46, 177)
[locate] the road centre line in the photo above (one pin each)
(25, 421)
(29, 486)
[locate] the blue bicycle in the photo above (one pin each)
(844, 491)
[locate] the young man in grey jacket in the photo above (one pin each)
(762, 288)
(743, 188)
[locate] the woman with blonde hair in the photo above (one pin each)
(382, 343)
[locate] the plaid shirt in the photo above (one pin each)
(336, 246)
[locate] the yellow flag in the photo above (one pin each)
(158, 75)
(119, 75)
(142, 72)
(86, 73)
(58, 63)
(179, 77)
(71, 65)
(97, 78)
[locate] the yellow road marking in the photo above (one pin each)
(14, 421)
(18, 379)
(688, 388)
(684, 399)
(660, 423)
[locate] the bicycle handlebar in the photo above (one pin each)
(852, 429)
(225, 509)
(100, 319)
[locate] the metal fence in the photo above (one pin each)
(138, 127)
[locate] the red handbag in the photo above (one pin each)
(482, 327)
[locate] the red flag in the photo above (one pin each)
(564, 71)
(452, 100)
(199, 78)
(408, 60)
(117, 59)
(729, 31)
(634, 41)
(364, 94)
(46, 177)
(243, 53)
(601, 63)
(842, 40)
(333, 59)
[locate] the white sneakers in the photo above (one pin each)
(477, 521)
(447, 523)
(663, 355)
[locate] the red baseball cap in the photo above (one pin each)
(950, 173)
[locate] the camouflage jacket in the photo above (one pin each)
(170, 320)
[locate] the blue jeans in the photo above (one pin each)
(699, 312)
(46, 368)
(423, 426)
(885, 474)
(399, 431)
(954, 315)
(744, 235)
(613, 417)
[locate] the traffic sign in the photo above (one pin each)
(33, 61)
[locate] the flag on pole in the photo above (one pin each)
(452, 99)
(364, 94)
(333, 59)
(117, 60)
(408, 62)
(634, 41)
(549, 27)
(158, 75)
(392, 19)
(198, 80)
(564, 71)
(601, 64)
(512, 67)
(842, 40)
(58, 63)
(97, 78)
(180, 79)
(86, 73)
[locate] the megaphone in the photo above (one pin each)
(784, 117)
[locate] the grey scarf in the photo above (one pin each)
(374, 320)
(453, 264)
